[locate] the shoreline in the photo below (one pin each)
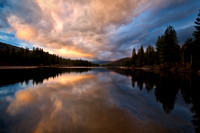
(159, 69)
(18, 67)
(153, 69)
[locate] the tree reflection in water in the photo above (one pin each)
(166, 86)
(68, 100)
(37, 75)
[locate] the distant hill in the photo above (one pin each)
(101, 62)
(120, 62)
(4, 46)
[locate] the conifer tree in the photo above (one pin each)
(196, 35)
(168, 48)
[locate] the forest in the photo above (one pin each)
(167, 53)
(12, 55)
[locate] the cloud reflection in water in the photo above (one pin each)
(85, 103)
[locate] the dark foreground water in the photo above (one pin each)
(98, 100)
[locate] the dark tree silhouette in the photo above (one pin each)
(150, 56)
(168, 48)
(188, 48)
(11, 55)
(141, 58)
(196, 35)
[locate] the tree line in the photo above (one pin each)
(168, 53)
(11, 55)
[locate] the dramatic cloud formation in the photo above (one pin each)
(93, 29)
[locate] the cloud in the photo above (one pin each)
(152, 23)
(23, 31)
(90, 29)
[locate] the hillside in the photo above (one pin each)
(15, 56)
(120, 62)
(4, 46)
(101, 62)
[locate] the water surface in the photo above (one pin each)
(97, 100)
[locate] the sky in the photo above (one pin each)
(94, 29)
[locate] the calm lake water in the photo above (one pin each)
(98, 100)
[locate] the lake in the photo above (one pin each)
(98, 100)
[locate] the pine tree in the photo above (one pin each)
(167, 47)
(160, 49)
(141, 56)
(188, 48)
(196, 35)
(134, 57)
(150, 55)
(134, 52)
(172, 49)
